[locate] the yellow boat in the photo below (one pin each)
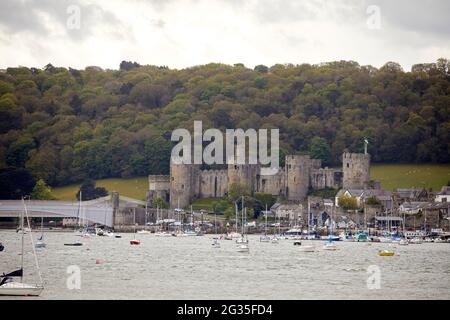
(385, 253)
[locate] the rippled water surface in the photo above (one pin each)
(189, 268)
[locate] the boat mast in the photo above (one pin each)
(134, 220)
(309, 216)
(265, 225)
(21, 227)
(236, 212)
(242, 216)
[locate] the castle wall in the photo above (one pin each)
(326, 178)
(273, 184)
(213, 183)
(159, 187)
(244, 175)
(356, 169)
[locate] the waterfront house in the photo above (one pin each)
(443, 195)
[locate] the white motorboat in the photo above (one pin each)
(143, 232)
(264, 239)
(416, 241)
(243, 248)
(274, 240)
(8, 285)
(403, 242)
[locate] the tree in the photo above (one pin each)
(41, 191)
(319, 149)
(89, 191)
(236, 190)
(348, 202)
(15, 183)
(261, 68)
(265, 199)
(373, 201)
(221, 206)
(160, 203)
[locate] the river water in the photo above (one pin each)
(189, 268)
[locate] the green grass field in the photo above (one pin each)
(134, 188)
(408, 176)
(391, 177)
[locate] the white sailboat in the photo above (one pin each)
(134, 241)
(265, 238)
(243, 241)
(216, 243)
(330, 245)
(11, 287)
(145, 231)
(308, 248)
(40, 243)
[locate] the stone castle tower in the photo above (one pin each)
(184, 184)
(356, 169)
(298, 170)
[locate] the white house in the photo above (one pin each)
(444, 195)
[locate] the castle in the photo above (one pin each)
(300, 174)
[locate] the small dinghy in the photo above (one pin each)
(2, 247)
(386, 253)
(75, 244)
(135, 242)
(243, 248)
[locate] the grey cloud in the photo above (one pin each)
(18, 16)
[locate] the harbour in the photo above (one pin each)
(190, 268)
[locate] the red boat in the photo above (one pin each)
(135, 242)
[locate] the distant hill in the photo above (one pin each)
(64, 125)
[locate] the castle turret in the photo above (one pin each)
(297, 171)
(356, 169)
(184, 184)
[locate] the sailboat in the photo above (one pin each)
(243, 241)
(41, 243)
(275, 238)
(145, 231)
(11, 287)
(404, 241)
(330, 245)
(265, 238)
(134, 241)
(308, 248)
(216, 243)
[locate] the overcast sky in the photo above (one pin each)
(183, 33)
